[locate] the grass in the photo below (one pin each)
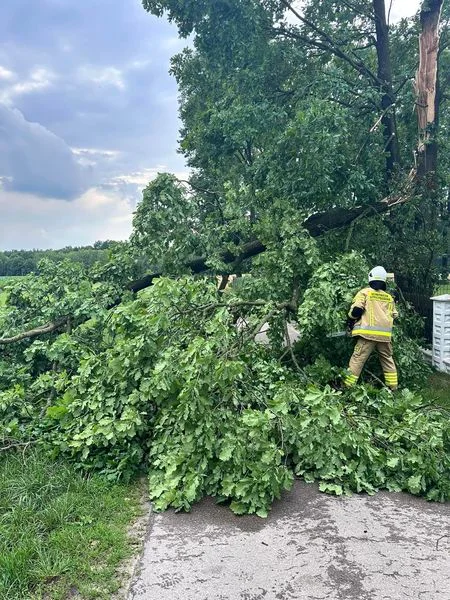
(438, 389)
(61, 535)
(443, 289)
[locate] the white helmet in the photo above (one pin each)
(378, 274)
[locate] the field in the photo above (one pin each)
(6, 280)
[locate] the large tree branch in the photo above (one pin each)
(336, 218)
(36, 332)
(317, 225)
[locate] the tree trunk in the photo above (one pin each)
(427, 92)
(388, 97)
(419, 285)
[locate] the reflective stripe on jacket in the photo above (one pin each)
(378, 316)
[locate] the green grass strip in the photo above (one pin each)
(61, 535)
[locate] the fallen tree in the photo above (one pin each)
(171, 387)
(315, 225)
(166, 382)
(421, 178)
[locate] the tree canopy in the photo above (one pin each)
(288, 114)
(21, 262)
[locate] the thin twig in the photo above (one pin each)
(377, 378)
(17, 445)
(389, 13)
(439, 539)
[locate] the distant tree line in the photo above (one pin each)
(22, 262)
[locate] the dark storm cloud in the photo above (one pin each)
(32, 159)
(89, 76)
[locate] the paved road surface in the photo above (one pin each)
(312, 546)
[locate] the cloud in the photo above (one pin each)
(35, 160)
(142, 178)
(39, 79)
(87, 108)
(105, 85)
(6, 74)
(109, 76)
(29, 222)
(91, 157)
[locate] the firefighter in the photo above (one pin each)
(371, 317)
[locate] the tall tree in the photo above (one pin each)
(297, 116)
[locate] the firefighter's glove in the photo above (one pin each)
(349, 324)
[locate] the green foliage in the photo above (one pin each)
(61, 289)
(164, 224)
(408, 357)
(367, 440)
(209, 412)
(215, 434)
(329, 295)
(22, 262)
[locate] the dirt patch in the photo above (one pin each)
(136, 533)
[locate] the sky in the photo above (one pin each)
(88, 116)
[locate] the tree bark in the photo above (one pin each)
(38, 331)
(316, 225)
(418, 285)
(388, 119)
(426, 85)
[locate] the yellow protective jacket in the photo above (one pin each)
(378, 316)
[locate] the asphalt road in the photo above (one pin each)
(312, 546)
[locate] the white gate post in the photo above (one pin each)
(441, 332)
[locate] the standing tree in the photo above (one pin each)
(305, 119)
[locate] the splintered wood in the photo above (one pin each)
(426, 77)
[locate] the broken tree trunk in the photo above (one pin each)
(427, 91)
(418, 290)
